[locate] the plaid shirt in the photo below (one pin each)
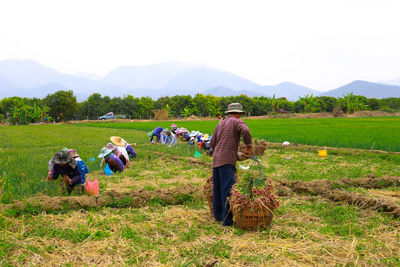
(225, 140)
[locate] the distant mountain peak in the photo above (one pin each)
(365, 88)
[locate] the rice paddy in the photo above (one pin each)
(307, 229)
(382, 133)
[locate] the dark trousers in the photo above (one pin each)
(223, 180)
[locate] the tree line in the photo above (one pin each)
(63, 105)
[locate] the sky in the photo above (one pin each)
(321, 44)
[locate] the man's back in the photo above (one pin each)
(225, 140)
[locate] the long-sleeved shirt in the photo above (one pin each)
(83, 169)
(124, 153)
(72, 173)
(170, 139)
(115, 163)
(157, 131)
(130, 150)
(225, 140)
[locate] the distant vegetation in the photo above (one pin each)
(63, 105)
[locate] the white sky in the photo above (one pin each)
(322, 44)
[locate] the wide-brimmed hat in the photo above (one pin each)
(194, 133)
(104, 152)
(205, 137)
(110, 146)
(73, 153)
(63, 157)
(117, 140)
(235, 108)
(173, 126)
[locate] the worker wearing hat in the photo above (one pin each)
(66, 167)
(225, 142)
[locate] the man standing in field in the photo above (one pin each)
(225, 142)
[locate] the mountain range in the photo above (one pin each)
(28, 78)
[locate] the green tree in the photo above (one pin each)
(24, 112)
(131, 106)
(309, 103)
(274, 103)
(62, 105)
(352, 103)
(146, 107)
(327, 103)
(374, 104)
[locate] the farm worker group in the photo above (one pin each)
(72, 169)
(170, 137)
(225, 142)
(117, 154)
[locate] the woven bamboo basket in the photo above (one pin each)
(252, 219)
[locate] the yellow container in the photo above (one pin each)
(322, 153)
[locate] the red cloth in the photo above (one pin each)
(225, 140)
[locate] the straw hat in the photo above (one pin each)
(235, 108)
(104, 152)
(117, 140)
(205, 137)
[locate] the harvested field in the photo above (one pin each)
(133, 199)
(326, 189)
(340, 210)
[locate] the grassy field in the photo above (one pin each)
(334, 132)
(306, 230)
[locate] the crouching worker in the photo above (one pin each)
(170, 138)
(114, 163)
(159, 134)
(67, 167)
(83, 169)
(124, 159)
(129, 149)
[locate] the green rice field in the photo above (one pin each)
(333, 132)
(25, 150)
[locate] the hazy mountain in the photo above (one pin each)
(29, 78)
(225, 91)
(43, 90)
(289, 90)
(392, 82)
(28, 73)
(367, 89)
(151, 76)
(90, 76)
(201, 79)
(9, 88)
